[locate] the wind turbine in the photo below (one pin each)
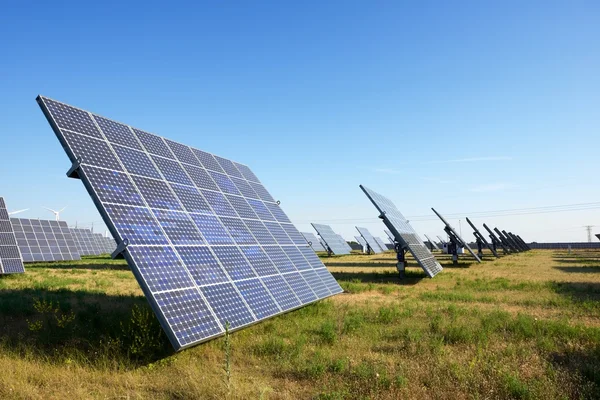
(17, 212)
(57, 213)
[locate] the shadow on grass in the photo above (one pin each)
(584, 365)
(578, 291)
(390, 264)
(583, 269)
(85, 263)
(411, 277)
(578, 260)
(90, 328)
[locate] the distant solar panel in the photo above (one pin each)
(11, 261)
(432, 242)
(390, 236)
(206, 241)
(523, 242)
(380, 243)
(403, 232)
(361, 241)
(452, 233)
(344, 243)
(312, 240)
(332, 240)
(106, 245)
(42, 240)
(373, 245)
(85, 242)
(479, 236)
(495, 239)
(511, 241)
(505, 241)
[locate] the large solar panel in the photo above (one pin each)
(403, 232)
(206, 241)
(432, 242)
(10, 255)
(451, 232)
(85, 242)
(312, 240)
(381, 244)
(479, 236)
(42, 240)
(332, 240)
(364, 232)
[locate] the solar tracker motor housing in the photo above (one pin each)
(401, 257)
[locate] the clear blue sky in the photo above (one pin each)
(463, 106)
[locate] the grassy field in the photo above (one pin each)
(525, 326)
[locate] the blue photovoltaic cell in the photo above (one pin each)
(364, 232)
(160, 267)
(300, 287)
(259, 260)
(10, 256)
(41, 240)
(234, 262)
(188, 315)
(228, 304)
(205, 239)
(202, 264)
(157, 193)
(258, 298)
(282, 292)
(137, 162)
(312, 240)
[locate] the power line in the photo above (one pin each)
(480, 214)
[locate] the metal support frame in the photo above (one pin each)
(73, 172)
(401, 257)
(453, 245)
(121, 247)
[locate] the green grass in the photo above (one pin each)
(84, 330)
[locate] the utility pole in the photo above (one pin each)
(588, 228)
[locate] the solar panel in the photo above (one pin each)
(495, 239)
(344, 243)
(85, 242)
(403, 232)
(523, 243)
(42, 240)
(452, 233)
(11, 261)
(332, 240)
(106, 245)
(381, 244)
(511, 242)
(479, 236)
(361, 241)
(206, 241)
(312, 240)
(432, 242)
(364, 232)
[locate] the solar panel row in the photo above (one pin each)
(42, 240)
(332, 240)
(11, 261)
(85, 242)
(452, 233)
(364, 232)
(207, 242)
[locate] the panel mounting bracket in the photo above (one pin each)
(118, 253)
(73, 172)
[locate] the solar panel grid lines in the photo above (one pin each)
(344, 243)
(403, 232)
(11, 261)
(461, 242)
(331, 239)
(44, 240)
(479, 236)
(312, 240)
(208, 244)
(380, 243)
(373, 245)
(85, 242)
